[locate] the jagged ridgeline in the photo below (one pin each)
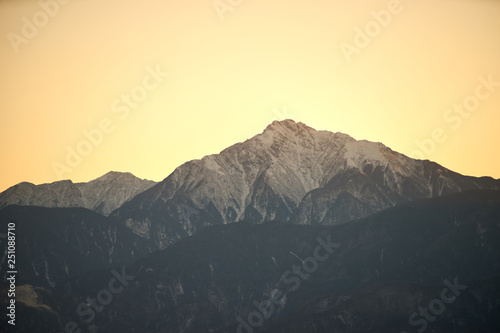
(290, 172)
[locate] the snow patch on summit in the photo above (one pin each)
(359, 152)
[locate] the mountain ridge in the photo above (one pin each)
(275, 175)
(102, 195)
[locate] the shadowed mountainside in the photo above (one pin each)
(391, 262)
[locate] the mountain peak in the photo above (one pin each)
(287, 125)
(120, 176)
(115, 174)
(289, 128)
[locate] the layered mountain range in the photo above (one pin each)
(209, 244)
(290, 172)
(370, 275)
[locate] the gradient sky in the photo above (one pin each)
(232, 73)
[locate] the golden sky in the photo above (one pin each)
(157, 83)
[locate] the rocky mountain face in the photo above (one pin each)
(102, 195)
(56, 244)
(289, 172)
(369, 275)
